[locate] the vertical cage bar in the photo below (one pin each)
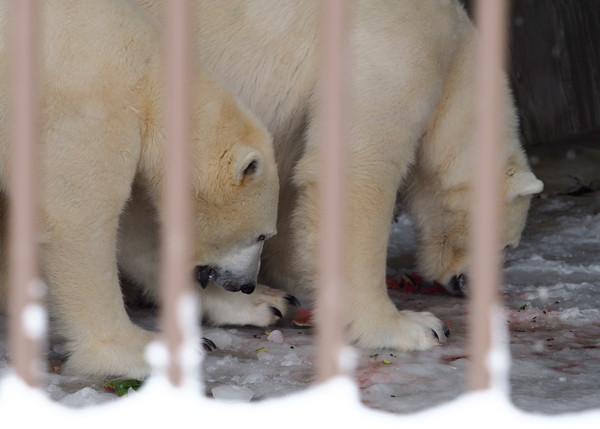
(23, 269)
(330, 292)
(491, 22)
(175, 273)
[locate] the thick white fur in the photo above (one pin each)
(411, 89)
(101, 132)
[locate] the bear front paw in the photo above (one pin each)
(402, 331)
(264, 307)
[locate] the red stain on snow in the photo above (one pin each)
(413, 283)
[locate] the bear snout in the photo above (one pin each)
(246, 288)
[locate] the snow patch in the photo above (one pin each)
(275, 336)
(34, 319)
(232, 393)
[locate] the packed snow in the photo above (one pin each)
(551, 317)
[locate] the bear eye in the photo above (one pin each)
(263, 237)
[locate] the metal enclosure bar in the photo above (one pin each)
(175, 249)
(485, 233)
(26, 330)
(332, 121)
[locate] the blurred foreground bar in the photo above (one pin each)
(485, 263)
(176, 274)
(330, 266)
(26, 331)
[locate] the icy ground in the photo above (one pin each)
(552, 312)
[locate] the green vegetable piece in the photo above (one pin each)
(121, 386)
(262, 349)
(386, 361)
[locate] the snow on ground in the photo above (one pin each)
(552, 318)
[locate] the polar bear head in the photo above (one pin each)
(518, 186)
(235, 192)
(443, 220)
(234, 181)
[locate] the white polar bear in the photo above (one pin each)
(411, 88)
(102, 134)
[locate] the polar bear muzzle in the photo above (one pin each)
(236, 269)
(234, 282)
(224, 278)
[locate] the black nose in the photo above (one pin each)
(459, 285)
(248, 288)
(204, 274)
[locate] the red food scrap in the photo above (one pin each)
(303, 318)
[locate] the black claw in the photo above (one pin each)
(276, 312)
(446, 332)
(293, 301)
(208, 345)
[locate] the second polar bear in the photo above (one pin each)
(411, 83)
(102, 135)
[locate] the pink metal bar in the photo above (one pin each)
(485, 273)
(330, 289)
(176, 274)
(23, 267)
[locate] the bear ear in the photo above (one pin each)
(248, 163)
(522, 184)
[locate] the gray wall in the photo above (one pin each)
(555, 67)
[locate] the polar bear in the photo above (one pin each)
(411, 85)
(102, 135)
